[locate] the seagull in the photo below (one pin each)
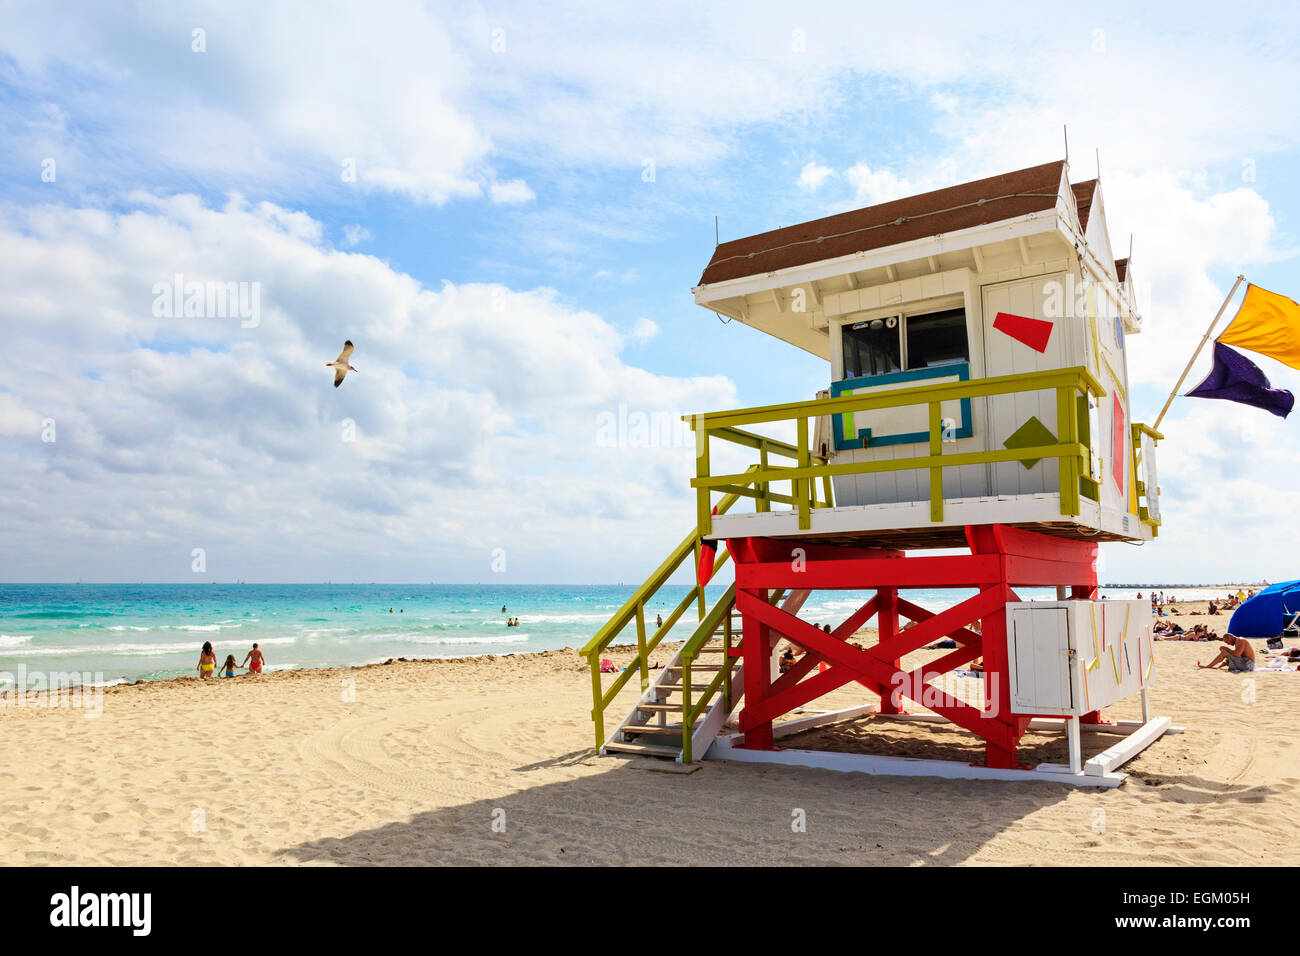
(340, 364)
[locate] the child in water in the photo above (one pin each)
(228, 668)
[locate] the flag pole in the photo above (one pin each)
(1205, 338)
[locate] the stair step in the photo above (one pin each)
(660, 708)
(649, 750)
(698, 667)
(679, 687)
(669, 731)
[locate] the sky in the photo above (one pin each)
(505, 207)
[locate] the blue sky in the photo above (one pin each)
(510, 273)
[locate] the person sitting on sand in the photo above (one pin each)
(207, 661)
(1238, 656)
(1213, 608)
(787, 660)
(607, 666)
(254, 660)
(228, 668)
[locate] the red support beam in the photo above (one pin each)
(1000, 558)
(853, 574)
(795, 696)
(861, 664)
(859, 617)
(757, 655)
(919, 615)
(790, 551)
(887, 647)
(939, 625)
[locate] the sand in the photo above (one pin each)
(489, 761)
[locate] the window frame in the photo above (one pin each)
(944, 304)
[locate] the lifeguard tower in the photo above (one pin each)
(978, 403)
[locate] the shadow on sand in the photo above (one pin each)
(725, 813)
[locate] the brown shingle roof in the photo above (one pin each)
(1083, 193)
(971, 204)
(1121, 268)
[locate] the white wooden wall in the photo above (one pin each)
(1040, 285)
(1004, 355)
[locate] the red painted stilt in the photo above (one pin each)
(1000, 559)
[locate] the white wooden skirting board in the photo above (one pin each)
(1100, 771)
(1042, 507)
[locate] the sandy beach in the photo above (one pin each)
(489, 761)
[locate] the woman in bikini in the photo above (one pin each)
(207, 661)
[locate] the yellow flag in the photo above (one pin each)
(1266, 323)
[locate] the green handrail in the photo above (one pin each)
(720, 614)
(1139, 486)
(634, 610)
(1068, 449)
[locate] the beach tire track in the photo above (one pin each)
(352, 750)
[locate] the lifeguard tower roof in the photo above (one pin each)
(960, 325)
(940, 211)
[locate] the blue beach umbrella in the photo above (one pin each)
(1268, 612)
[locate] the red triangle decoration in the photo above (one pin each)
(1026, 331)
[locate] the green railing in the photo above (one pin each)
(1072, 453)
(1138, 430)
(634, 610)
(719, 616)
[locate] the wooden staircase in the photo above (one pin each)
(650, 730)
(653, 728)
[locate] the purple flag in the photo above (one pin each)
(1238, 379)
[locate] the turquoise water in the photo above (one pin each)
(128, 632)
(117, 633)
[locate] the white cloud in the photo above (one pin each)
(1183, 232)
(813, 175)
(514, 191)
(873, 186)
(354, 235)
(476, 410)
(643, 330)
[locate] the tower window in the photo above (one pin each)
(936, 339)
(904, 342)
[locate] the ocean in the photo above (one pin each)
(121, 633)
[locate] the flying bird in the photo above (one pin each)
(340, 364)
